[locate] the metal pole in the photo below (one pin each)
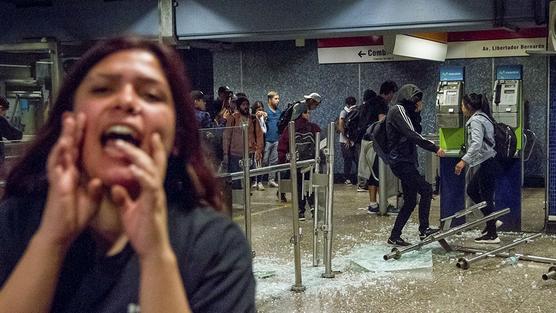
(551, 274)
(267, 169)
(382, 186)
(524, 257)
(396, 253)
(316, 212)
(246, 183)
(297, 287)
(464, 263)
(328, 228)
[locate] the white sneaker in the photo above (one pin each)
(347, 182)
(260, 186)
(272, 183)
(254, 185)
(498, 224)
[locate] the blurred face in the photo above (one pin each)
(388, 97)
(419, 106)
(125, 96)
(465, 110)
(3, 111)
(274, 101)
(312, 104)
(201, 104)
(259, 108)
(244, 107)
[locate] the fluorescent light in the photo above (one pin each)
(420, 48)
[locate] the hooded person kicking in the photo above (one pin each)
(403, 129)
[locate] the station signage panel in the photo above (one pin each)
(461, 45)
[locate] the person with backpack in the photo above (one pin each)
(403, 132)
(374, 109)
(312, 101)
(480, 155)
(347, 146)
(305, 145)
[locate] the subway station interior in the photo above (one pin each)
(338, 259)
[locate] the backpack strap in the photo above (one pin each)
(492, 144)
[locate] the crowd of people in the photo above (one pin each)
(113, 207)
(399, 108)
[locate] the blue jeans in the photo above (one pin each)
(271, 157)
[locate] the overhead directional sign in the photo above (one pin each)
(355, 50)
(461, 45)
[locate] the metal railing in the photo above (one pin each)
(317, 180)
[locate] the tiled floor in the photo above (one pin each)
(424, 281)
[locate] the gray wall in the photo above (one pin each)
(256, 68)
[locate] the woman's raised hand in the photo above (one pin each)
(145, 217)
(72, 201)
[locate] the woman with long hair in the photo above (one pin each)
(113, 209)
(480, 155)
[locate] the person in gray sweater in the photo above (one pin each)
(480, 155)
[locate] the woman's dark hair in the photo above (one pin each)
(388, 87)
(368, 95)
(257, 104)
(187, 170)
(475, 102)
(351, 101)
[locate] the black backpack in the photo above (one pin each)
(505, 140)
(305, 145)
(377, 134)
(285, 117)
(351, 124)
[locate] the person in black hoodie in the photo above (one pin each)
(403, 129)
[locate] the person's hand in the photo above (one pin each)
(226, 114)
(258, 114)
(71, 203)
(459, 167)
(144, 217)
(258, 156)
(441, 153)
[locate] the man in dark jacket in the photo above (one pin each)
(403, 128)
(374, 108)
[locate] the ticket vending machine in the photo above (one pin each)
(450, 125)
(506, 102)
(507, 108)
(448, 104)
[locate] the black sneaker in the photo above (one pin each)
(301, 216)
(392, 209)
(312, 212)
(398, 242)
(372, 209)
(283, 198)
(429, 231)
(488, 239)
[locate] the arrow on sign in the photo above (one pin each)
(361, 54)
